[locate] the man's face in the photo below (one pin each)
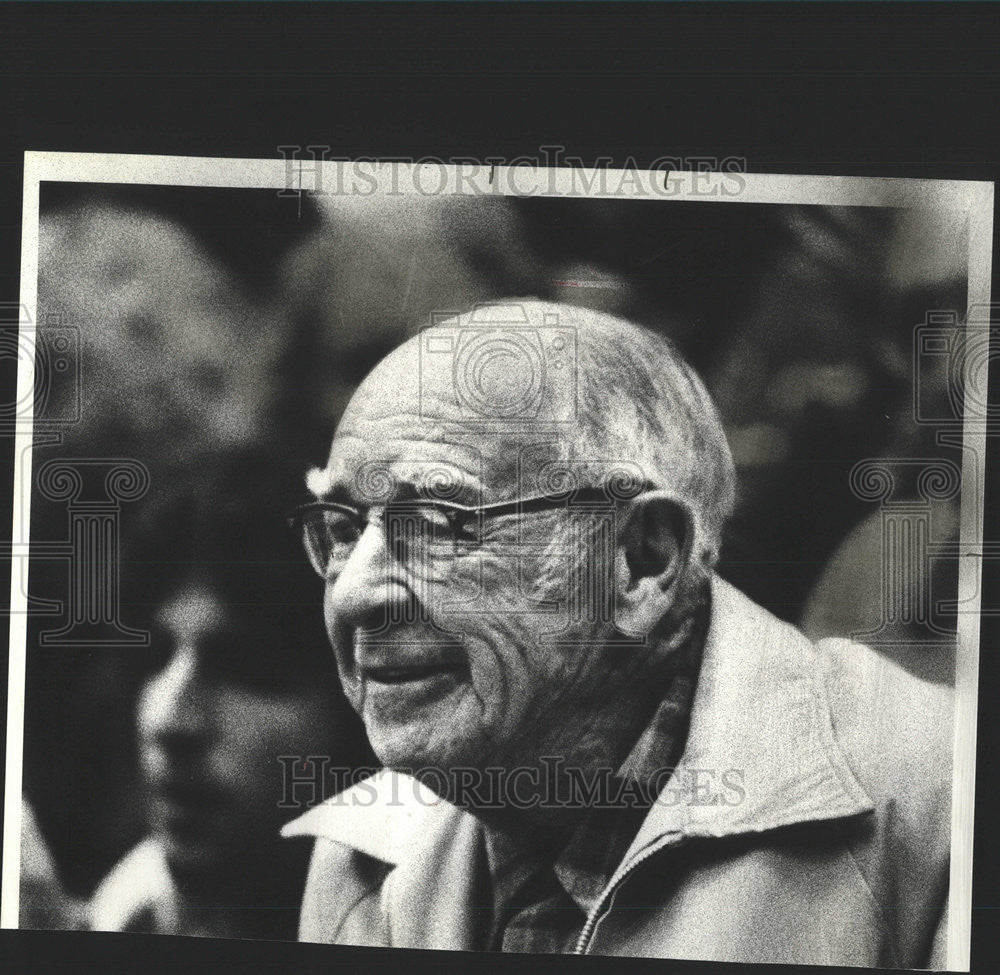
(438, 681)
(211, 728)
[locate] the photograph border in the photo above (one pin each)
(974, 198)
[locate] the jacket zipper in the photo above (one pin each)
(599, 911)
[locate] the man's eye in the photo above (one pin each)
(426, 520)
(437, 521)
(342, 529)
(469, 530)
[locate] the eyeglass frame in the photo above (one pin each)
(452, 510)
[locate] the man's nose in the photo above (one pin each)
(370, 592)
(174, 710)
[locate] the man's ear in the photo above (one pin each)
(654, 546)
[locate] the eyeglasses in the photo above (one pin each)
(423, 535)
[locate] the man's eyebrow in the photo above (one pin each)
(324, 487)
(467, 495)
(322, 484)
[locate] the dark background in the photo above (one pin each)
(854, 89)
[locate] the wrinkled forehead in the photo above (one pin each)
(438, 419)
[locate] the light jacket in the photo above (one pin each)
(837, 854)
(138, 895)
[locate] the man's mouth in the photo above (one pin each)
(410, 673)
(186, 793)
(184, 809)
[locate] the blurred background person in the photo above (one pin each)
(242, 692)
(172, 353)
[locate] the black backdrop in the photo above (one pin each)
(881, 89)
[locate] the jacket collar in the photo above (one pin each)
(387, 817)
(759, 715)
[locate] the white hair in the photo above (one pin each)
(641, 402)
(639, 405)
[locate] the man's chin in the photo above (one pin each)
(418, 722)
(398, 751)
(413, 747)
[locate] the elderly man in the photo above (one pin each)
(592, 742)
